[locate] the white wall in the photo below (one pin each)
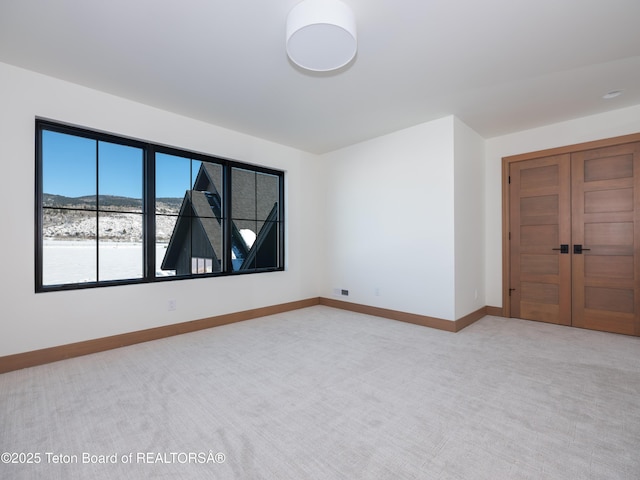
(469, 219)
(404, 220)
(595, 127)
(31, 321)
(390, 221)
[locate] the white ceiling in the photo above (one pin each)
(498, 65)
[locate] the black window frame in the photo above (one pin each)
(150, 150)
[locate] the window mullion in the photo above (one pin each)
(39, 210)
(149, 212)
(281, 221)
(97, 211)
(226, 219)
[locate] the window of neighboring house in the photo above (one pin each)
(112, 210)
(201, 265)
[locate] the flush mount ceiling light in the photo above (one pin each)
(321, 35)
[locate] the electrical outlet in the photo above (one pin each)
(344, 292)
(171, 305)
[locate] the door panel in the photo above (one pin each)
(605, 167)
(540, 218)
(606, 222)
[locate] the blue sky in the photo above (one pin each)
(173, 175)
(69, 168)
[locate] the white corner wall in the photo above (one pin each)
(606, 125)
(390, 221)
(33, 321)
(469, 219)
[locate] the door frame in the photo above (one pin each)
(506, 227)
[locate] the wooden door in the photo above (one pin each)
(588, 202)
(606, 224)
(540, 219)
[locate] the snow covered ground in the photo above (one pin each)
(69, 261)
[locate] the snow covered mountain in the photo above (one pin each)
(120, 218)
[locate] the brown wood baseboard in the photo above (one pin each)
(62, 352)
(495, 311)
(425, 321)
(53, 354)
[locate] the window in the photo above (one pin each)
(112, 210)
(255, 219)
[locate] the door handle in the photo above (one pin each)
(578, 249)
(564, 248)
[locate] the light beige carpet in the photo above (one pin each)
(322, 393)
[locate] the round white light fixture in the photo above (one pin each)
(321, 35)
